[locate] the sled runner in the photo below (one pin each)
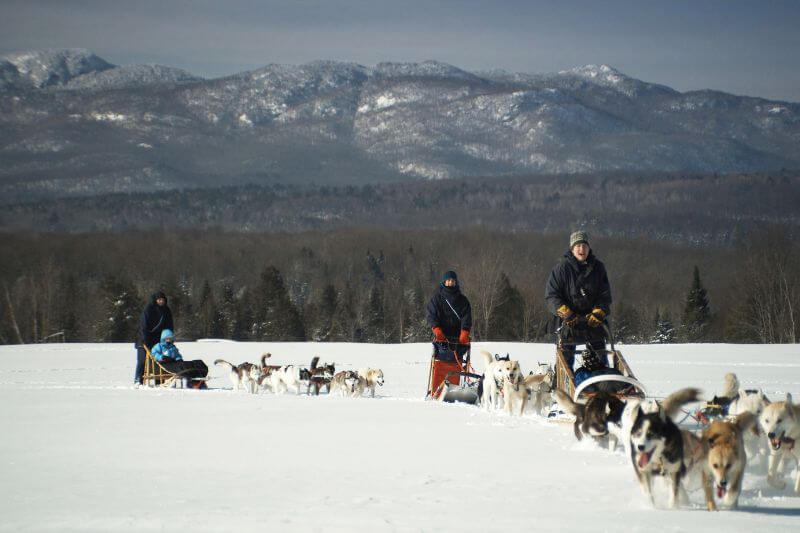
(451, 377)
(612, 376)
(155, 375)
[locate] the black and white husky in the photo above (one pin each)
(656, 444)
(245, 374)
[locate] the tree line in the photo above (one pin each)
(371, 285)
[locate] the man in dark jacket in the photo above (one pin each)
(579, 295)
(156, 317)
(449, 315)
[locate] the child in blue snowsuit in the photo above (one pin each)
(168, 356)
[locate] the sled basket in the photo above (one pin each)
(620, 381)
(452, 380)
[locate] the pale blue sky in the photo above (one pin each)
(737, 46)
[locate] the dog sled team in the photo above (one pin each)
(608, 404)
(279, 379)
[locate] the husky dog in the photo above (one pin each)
(265, 367)
(245, 374)
(621, 429)
(592, 419)
(347, 383)
(779, 421)
(541, 390)
(288, 377)
(516, 389)
(320, 376)
(726, 458)
(372, 377)
(494, 374)
(656, 444)
(751, 401)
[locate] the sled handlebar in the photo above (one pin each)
(584, 322)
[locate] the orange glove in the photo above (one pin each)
(566, 315)
(464, 337)
(595, 318)
(439, 334)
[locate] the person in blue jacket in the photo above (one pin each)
(168, 356)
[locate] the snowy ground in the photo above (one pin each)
(81, 450)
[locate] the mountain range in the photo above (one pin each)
(73, 124)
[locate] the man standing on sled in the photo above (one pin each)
(449, 315)
(579, 295)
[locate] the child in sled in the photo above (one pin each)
(168, 356)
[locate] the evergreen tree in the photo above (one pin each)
(322, 316)
(374, 317)
(506, 321)
(415, 328)
(625, 325)
(696, 315)
(277, 319)
(208, 318)
(664, 329)
(119, 301)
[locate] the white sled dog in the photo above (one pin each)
(779, 421)
(372, 377)
(516, 389)
(494, 374)
(288, 378)
(726, 459)
(753, 402)
(245, 374)
(657, 446)
(347, 383)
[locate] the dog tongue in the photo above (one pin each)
(720, 491)
(644, 458)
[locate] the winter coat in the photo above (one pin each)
(449, 310)
(154, 319)
(581, 287)
(166, 350)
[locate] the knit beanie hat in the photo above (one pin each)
(578, 237)
(449, 275)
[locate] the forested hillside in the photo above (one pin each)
(371, 284)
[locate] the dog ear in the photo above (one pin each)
(789, 406)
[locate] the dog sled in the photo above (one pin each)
(155, 375)
(451, 377)
(612, 374)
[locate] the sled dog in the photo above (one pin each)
(541, 391)
(592, 418)
(656, 444)
(347, 383)
(494, 374)
(751, 401)
(372, 377)
(516, 389)
(288, 378)
(621, 429)
(245, 374)
(779, 421)
(726, 459)
(320, 376)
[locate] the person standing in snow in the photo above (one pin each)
(155, 318)
(449, 314)
(578, 294)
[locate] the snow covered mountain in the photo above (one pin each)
(73, 124)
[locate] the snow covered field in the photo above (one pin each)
(81, 450)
